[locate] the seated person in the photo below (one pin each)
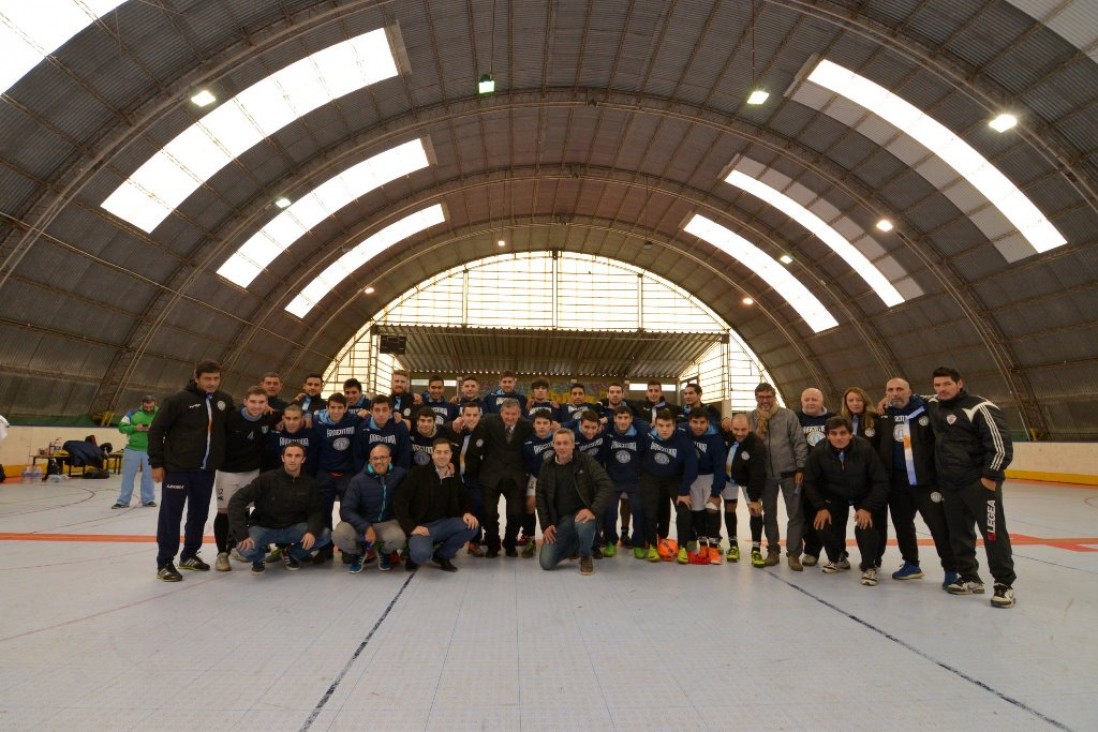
(843, 471)
(288, 511)
(84, 453)
(572, 490)
(434, 510)
(367, 512)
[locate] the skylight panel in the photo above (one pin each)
(959, 155)
(32, 30)
(228, 131)
(324, 200)
(350, 262)
(823, 231)
(778, 277)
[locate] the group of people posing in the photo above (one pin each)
(419, 477)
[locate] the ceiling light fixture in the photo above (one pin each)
(204, 98)
(758, 96)
(748, 301)
(486, 84)
(1003, 122)
(501, 243)
(785, 259)
(884, 225)
(283, 202)
(369, 291)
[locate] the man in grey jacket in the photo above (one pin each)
(572, 490)
(781, 432)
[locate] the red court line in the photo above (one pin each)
(1070, 543)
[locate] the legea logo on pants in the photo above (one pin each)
(991, 520)
(174, 486)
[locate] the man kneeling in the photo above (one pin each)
(844, 471)
(572, 490)
(288, 511)
(434, 510)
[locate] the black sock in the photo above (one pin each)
(730, 521)
(756, 530)
(221, 532)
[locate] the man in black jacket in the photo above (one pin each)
(572, 491)
(843, 471)
(502, 472)
(745, 466)
(288, 512)
(433, 508)
(186, 446)
(907, 451)
(972, 449)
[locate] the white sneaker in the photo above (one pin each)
(833, 567)
(222, 563)
(869, 577)
(238, 557)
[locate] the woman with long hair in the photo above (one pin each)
(858, 408)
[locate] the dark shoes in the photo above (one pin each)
(444, 564)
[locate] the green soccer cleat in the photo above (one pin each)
(733, 554)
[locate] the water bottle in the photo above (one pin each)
(26, 474)
(55, 478)
(36, 474)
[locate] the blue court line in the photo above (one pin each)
(941, 664)
(354, 656)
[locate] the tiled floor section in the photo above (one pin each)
(90, 640)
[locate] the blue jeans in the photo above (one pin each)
(131, 461)
(291, 536)
(451, 533)
(571, 538)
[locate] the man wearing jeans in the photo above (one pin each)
(288, 512)
(434, 510)
(572, 491)
(135, 425)
(186, 446)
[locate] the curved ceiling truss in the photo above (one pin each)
(593, 143)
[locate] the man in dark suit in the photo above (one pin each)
(502, 472)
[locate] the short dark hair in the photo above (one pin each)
(665, 415)
(435, 377)
(763, 388)
(617, 384)
(541, 414)
(337, 398)
(577, 385)
(470, 377)
(695, 387)
(425, 413)
(298, 445)
(352, 384)
(507, 375)
(401, 372)
(699, 413)
(624, 410)
(441, 441)
(947, 371)
(834, 423)
(314, 375)
(589, 415)
(255, 391)
(272, 375)
(474, 405)
(381, 399)
(539, 384)
(654, 382)
(206, 367)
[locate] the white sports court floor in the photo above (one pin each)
(90, 640)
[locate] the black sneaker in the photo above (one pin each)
(410, 565)
(150, 504)
(194, 564)
(444, 564)
(511, 551)
(168, 573)
(120, 505)
(492, 553)
(291, 562)
(259, 567)
(597, 552)
(1003, 597)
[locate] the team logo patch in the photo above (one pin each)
(814, 438)
(341, 443)
(662, 458)
(923, 421)
(936, 497)
(746, 455)
(480, 443)
(623, 456)
(421, 458)
(870, 432)
(221, 405)
(546, 455)
(951, 418)
(898, 432)
(264, 429)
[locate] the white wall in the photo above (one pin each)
(1074, 462)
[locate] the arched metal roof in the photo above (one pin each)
(612, 123)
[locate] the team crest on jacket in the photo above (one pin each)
(661, 458)
(746, 455)
(870, 432)
(341, 443)
(622, 456)
(923, 421)
(220, 405)
(422, 458)
(951, 418)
